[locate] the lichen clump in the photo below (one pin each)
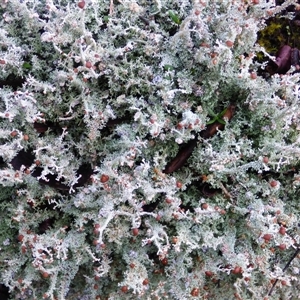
(96, 99)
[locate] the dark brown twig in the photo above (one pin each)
(187, 149)
(284, 269)
(182, 156)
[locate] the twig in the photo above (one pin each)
(284, 269)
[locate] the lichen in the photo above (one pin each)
(96, 99)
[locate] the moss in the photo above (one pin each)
(274, 35)
(278, 32)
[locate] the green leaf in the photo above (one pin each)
(174, 17)
(27, 65)
(168, 67)
(221, 121)
(216, 117)
(212, 121)
(221, 114)
(211, 113)
(105, 19)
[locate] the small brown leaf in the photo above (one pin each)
(283, 59)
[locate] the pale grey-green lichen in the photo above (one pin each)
(94, 102)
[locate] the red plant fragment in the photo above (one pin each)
(283, 59)
(295, 57)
